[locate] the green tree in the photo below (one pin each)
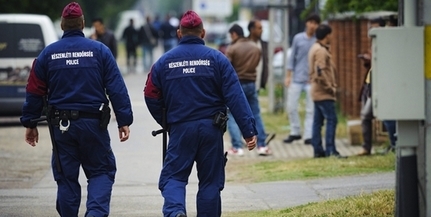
(51, 8)
(173, 7)
(359, 6)
(107, 9)
(235, 13)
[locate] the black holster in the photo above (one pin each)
(220, 120)
(53, 115)
(105, 117)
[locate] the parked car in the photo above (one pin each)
(215, 32)
(23, 37)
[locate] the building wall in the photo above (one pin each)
(350, 38)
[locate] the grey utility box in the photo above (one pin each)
(398, 76)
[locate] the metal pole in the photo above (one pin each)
(271, 85)
(426, 207)
(286, 47)
(410, 13)
(407, 197)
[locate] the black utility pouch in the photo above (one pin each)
(220, 120)
(53, 115)
(105, 117)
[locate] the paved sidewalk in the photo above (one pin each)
(294, 150)
(140, 200)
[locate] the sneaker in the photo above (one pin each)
(269, 138)
(364, 152)
(291, 138)
(236, 151)
(264, 151)
(307, 142)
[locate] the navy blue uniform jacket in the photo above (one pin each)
(77, 74)
(195, 82)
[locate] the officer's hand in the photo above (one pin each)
(251, 142)
(124, 133)
(32, 136)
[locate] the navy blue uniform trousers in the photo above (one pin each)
(192, 141)
(87, 145)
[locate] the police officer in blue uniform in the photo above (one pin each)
(75, 75)
(195, 84)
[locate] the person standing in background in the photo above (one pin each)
(244, 56)
(297, 81)
(130, 35)
(323, 93)
(104, 35)
(255, 29)
(367, 115)
(149, 40)
(168, 34)
(156, 23)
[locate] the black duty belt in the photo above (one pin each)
(74, 115)
(89, 115)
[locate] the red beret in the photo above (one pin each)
(190, 20)
(72, 10)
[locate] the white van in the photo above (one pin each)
(23, 37)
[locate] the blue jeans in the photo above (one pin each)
(169, 44)
(391, 127)
(234, 131)
(324, 110)
(147, 53)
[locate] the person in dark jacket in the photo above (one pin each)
(104, 35)
(195, 83)
(149, 40)
(75, 75)
(130, 35)
(367, 115)
(167, 33)
(255, 29)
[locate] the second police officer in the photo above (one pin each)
(195, 84)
